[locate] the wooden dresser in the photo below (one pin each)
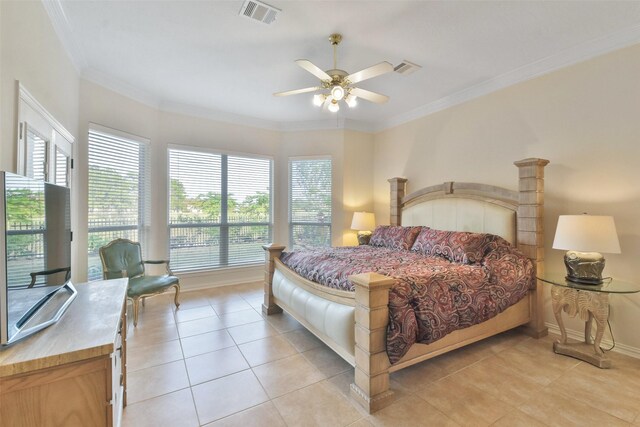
(72, 373)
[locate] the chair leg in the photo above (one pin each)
(177, 296)
(136, 306)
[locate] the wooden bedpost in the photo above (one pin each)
(531, 233)
(371, 387)
(272, 251)
(398, 189)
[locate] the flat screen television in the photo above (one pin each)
(35, 255)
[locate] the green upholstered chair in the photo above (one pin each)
(123, 258)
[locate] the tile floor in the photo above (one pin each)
(217, 362)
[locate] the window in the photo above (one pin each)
(44, 145)
(117, 190)
(309, 203)
(219, 209)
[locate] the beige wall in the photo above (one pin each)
(357, 181)
(584, 119)
(2, 93)
(34, 56)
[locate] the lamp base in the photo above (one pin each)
(584, 267)
(364, 237)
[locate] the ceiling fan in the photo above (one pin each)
(337, 85)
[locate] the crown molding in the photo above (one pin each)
(64, 31)
(120, 87)
(340, 123)
(359, 126)
(146, 98)
(217, 115)
(31, 101)
(101, 79)
(299, 126)
(581, 52)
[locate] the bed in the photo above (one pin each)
(354, 323)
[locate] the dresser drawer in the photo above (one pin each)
(73, 394)
(118, 371)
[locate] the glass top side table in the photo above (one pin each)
(591, 302)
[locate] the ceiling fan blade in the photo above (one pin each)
(314, 69)
(297, 91)
(369, 96)
(371, 72)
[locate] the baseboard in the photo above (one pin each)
(606, 343)
(221, 285)
(221, 277)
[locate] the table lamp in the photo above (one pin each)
(584, 237)
(364, 222)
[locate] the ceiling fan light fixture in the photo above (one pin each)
(318, 99)
(337, 92)
(337, 85)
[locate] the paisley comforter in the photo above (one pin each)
(432, 296)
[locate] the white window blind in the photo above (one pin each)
(117, 192)
(62, 168)
(219, 209)
(309, 203)
(37, 147)
(249, 208)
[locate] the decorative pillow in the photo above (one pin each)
(457, 246)
(394, 237)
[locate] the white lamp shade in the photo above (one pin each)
(587, 233)
(363, 221)
(318, 99)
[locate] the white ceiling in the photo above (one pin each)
(200, 56)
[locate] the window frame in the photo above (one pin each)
(291, 224)
(31, 115)
(224, 225)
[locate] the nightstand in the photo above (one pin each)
(591, 302)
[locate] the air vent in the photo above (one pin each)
(259, 11)
(406, 67)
